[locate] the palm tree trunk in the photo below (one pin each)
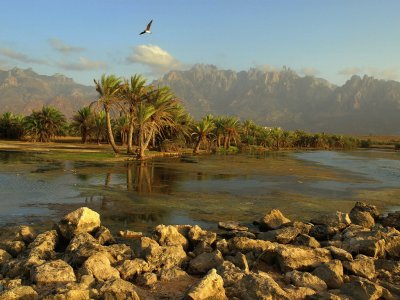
(197, 146)
(143, 143)
(109, 130)
(130, 137)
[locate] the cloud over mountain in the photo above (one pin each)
(158, 60)
(60, 46)
(18, 56)
(83, 64)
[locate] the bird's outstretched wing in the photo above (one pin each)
(149, 25)
(144, 31)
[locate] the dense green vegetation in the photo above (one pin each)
(140, 117)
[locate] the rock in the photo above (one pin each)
(326, 296)
(306, 240)
(15, 247)
(340, 254)
(81, 220)
(98, 265)
(362, 218)
(361, 266)
(230, 273)
(232, 225)
(210, 286)
(146, 279)
(4, 257)
(296, 258)
(159, 257)
(69, 293)
(169, 236)
(305, 279)
(244, 245)
(44, 245)
(53, 272)
(129, 269)
(391, 220)
(337, 220)
(272, 220)
(20, 292)
(240, 261)
(259, 286)
(139, 246)
(196, 234)
(27, 234)
(119, 252)
(392, 247)
(331, 272)
(173, 273)
(103, 236)
(129, 234)
(201, 247)
(222, 246)
(362, 289)
(284, 235)
(370, 243)
(294, 292)
(81, 247)
(323, 232)
(371, 209)
(118, 289)
(204, 262)
(389, 265)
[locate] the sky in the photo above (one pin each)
(83, 39)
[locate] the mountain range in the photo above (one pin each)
(363, 105)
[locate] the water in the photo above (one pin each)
(138, 196)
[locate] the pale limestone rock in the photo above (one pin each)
(361, 266)
(204, 262)
(331, 272)
(20, 292)
(196, 234)
(169, 236)
(210, 286)
(118, 289)
(131, 268)
(305, 279)
(53, 272)
(362, 289)
(272, 220)
(81, 220)
(99, 266)
(340, 254)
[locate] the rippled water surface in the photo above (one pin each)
(205, 190)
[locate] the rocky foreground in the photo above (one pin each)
(335, 256)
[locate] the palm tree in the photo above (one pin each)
(231, 126)
(202, 130)
(11, 126)
(133, 92)
(82, 121)
(44, 124)
(155, 113)
(109, 88)
(276, 135)
(100, 126)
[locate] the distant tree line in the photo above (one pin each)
(140, 117)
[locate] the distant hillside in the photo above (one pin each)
(283, 98)
(22, 91)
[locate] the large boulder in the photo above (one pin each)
(392, 247)
(283, 235)
(272, 220)
(196, 235)
(169, 236)
(361, 266)
(306, 240)
(371, 209)
(118, 289)
(391, 220)
(362, 289)
(204, 262)
(210, 286)
(20, 292)
(4, 257)
(337, 220)
(305, 279)
(53, 272)
(230, 273)
(164, 257)
(331, 272)
(244, 245)
(340, 254)
(44, 245)
(232, 226)
(81, 220)
(129, 269)
(99, 266)
(362, 218)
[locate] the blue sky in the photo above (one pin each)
(83, 39)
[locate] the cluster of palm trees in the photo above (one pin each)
(140, 116)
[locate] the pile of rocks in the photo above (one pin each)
(335, 256)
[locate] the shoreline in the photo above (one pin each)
(338, 255)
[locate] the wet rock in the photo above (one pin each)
(99, 266)
(340, 254)
(362, 289)
(196, 234)
(305, 279)
(20, 292)
(284, 235)
(103, 236)
(169, 236)
(306, 240)
(210, 286)
(232, 225)
(361, 266)
(331, 272)
(391, 220)
(259, 286)
(129, 269)
(53, 272)
(272, 220)
(118, 289)
(204, 262)
(81, 220)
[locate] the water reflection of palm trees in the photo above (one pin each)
(139, 177)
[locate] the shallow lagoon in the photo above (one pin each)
(138, 196)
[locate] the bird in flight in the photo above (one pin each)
(147, 30)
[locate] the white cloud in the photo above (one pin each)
(83, 64)
(64, 48)
(18, 56)
(309, 71)
(380, 73)
(267, 68)
(158, 60)
(351, 71)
